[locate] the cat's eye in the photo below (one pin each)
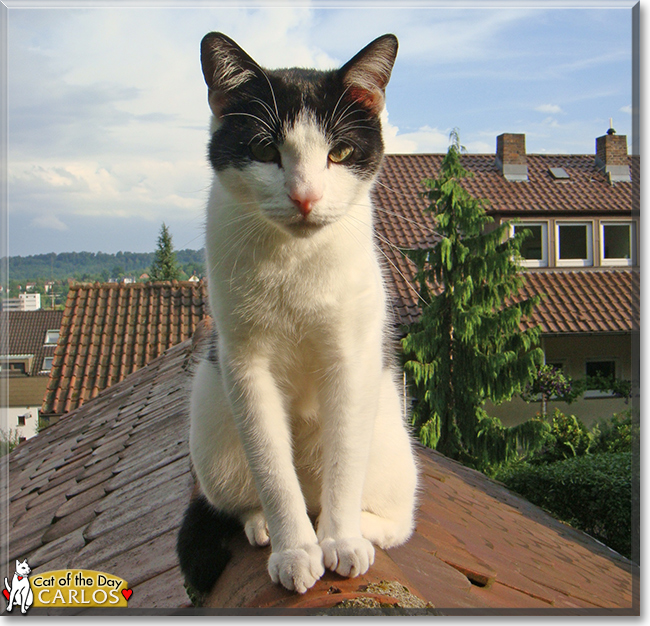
(341, 153)
(264, 152)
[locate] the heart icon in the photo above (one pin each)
(127, 593)
(6, 594)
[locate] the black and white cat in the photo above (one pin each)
(297, 414)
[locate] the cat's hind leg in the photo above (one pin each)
(256, 528)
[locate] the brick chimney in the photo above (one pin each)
(511, 156)
(611, 156)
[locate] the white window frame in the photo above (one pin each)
(589, 261)
(45, 360)
(534, 262)
(618, 262)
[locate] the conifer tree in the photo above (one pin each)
(164, 266)
(468, 346)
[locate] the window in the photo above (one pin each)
(617, 247)
(47, 363)
(574, 243)
(21, 420)
(534, 248)
(51, 337)
(599, 369)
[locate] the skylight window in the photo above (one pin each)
(559, 173)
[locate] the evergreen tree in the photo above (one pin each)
(164, 266)
(467, 346)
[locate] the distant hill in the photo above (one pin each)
(94, 265)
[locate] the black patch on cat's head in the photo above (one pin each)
(255, 105)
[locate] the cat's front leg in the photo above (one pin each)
(349, 410)
(263, 425)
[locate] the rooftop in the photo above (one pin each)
(109, 331)
(25, 332)
(105, 488)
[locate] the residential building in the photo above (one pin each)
(31, 339)
(583, 212)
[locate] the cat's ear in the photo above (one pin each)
(226, 67)
(366, 75)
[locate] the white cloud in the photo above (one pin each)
(552, 109)
(626, 109)
(51, 222)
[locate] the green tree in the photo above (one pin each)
(468, 345)
(164, 266)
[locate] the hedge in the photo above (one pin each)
(592, 493)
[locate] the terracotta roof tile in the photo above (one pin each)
(110, 330)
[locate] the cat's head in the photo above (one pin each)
(300, 147)
(23, 569)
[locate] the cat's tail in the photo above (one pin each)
(202, 544)
(7, 584)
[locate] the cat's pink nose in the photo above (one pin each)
(305, 201)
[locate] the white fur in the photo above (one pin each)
(20, 591)
(300, 418)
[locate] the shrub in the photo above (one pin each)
(568, 438)
(592, 493)
(614, 434)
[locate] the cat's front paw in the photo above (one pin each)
(297, 569)
(349, 557)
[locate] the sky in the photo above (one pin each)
(107, 121)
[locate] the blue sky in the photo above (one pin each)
(107, 111)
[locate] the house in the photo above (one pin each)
(30, 338)
(583, 212)
(110, 330)
(105, 489)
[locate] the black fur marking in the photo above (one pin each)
(250, 116)
(202, 544)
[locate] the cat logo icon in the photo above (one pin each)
(20, 593)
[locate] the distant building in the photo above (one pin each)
(24, 302)
(32, 337)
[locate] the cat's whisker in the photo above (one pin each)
(408, 196)
(275, 103)
(397, 269)
(255, 117)
(408, 220)
(273, 114)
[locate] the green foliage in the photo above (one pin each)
(592, 493)
(567, 437)
(164, 266)
(614, 434)
(468, 345)
(551, 383)
(89, 267)
(8, 440)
